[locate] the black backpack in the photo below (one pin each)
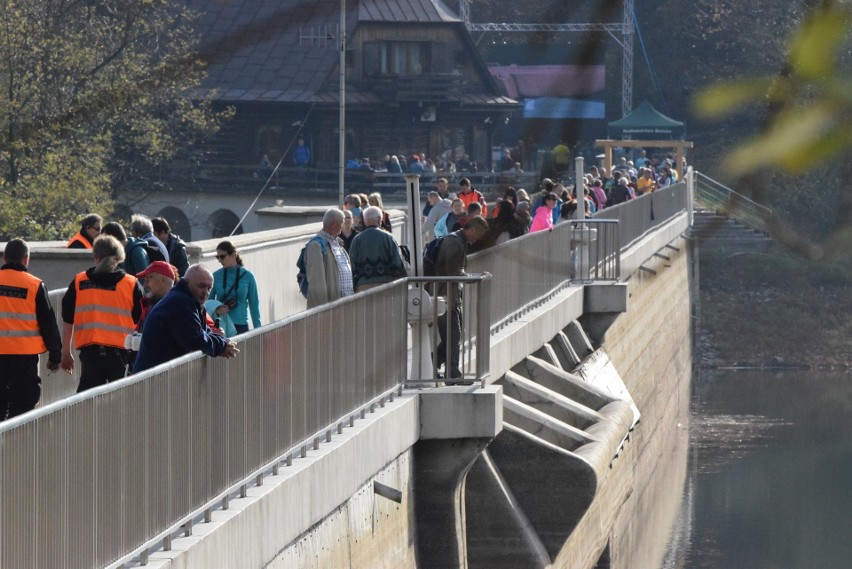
(152, 251)
(430, 255)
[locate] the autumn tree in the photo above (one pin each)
(95, 97)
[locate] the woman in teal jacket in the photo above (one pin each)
(235, 287)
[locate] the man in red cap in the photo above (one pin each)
(415, 166)
(159, 277)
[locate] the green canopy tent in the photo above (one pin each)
(646, 123)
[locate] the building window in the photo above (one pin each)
(403, 58)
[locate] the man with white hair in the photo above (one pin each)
(327, 265)
(142, 228)
(375, 254)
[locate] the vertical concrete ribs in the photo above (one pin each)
(566, 417)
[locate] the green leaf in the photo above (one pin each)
(814, 47)
(791, 135)
(725, 98)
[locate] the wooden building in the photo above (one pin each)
(415, 81)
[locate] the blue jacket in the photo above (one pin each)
(174, 327)
(227, 285)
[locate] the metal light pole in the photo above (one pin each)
(342, 119)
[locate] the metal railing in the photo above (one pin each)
(528, 270)
(103, 476)
(596, 245)
(717, 197)
(323, 181)
(637, 217)
(473, 294)
(98, 478)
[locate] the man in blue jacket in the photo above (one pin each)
(177, 325)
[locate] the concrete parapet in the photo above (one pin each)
(298, 503)
(461, 412)
(514, 342)
(602, 303)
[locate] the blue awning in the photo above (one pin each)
(563, 108)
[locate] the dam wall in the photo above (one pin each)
(589, 468)
(651, 345)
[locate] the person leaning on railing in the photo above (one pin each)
(451, 262)
(27, 329)
(177, 325)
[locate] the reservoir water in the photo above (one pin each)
(769, 482)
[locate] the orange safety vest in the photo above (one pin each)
(19, 331)
(103, 316)
(81, 238)
(470, 197)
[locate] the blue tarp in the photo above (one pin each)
(563, 108)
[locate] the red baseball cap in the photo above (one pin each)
(161, 268)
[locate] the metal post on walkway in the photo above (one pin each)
(577, 249)
(579, 180)
(690, 193)
(419, 305)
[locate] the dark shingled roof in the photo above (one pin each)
(260, 50)
(405, 11)
(285, 51)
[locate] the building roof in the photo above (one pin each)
(525, 81)
(268, 50)
(286, 50)
(418, 11)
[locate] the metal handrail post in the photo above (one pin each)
(483, 329)
(690, 194)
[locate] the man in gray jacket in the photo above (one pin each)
(451, 262)
(439, 210)
(327, 265)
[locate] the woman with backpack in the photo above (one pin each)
(235, 287)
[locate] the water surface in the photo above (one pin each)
(769, 484)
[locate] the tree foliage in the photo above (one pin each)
(812, 101)
(805, 131)
(95, 97)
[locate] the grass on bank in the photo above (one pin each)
(774, 304)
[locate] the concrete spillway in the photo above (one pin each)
(562, 431)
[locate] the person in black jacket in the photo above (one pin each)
(177, 325)
(174, 244)
(27, 328)
(620, 193)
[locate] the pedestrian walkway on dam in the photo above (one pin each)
(142, 474)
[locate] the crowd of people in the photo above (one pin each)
(142, 304)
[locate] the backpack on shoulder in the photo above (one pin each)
(152, 251)
(430, 255)
(302, 275)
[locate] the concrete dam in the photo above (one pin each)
(312, 451)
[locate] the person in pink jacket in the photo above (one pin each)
(544, 214)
